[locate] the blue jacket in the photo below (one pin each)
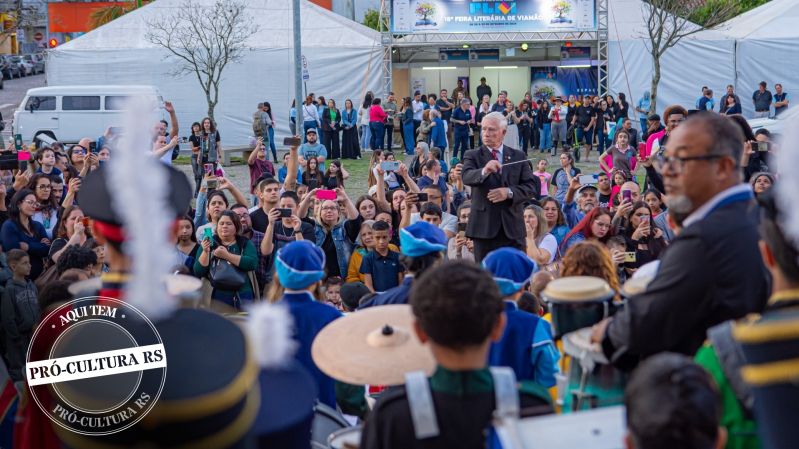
(573, 216)
(344, 246)
(438, 135)
(11, 237)
(284, 171)
(559, 232)
(527, 347)
(354, 116)
(310, 316)
(396, 295)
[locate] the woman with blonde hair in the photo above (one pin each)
(542, 246)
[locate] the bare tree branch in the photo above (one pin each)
(667, 25)
(203, 41)
(28, 14)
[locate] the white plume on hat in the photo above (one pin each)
(269, 329)
(142, 203)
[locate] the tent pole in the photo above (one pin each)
(297, 65)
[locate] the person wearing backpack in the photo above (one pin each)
(261, 121)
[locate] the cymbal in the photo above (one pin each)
(375, 346)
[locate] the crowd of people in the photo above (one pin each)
(470, 245)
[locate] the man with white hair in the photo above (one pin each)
(498, 193)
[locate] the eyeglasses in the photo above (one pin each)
(79, 151)
(31, 202)
(329, 208)
(676, 164)
(602, 225)
(44, 187)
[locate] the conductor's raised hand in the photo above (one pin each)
(492, 167)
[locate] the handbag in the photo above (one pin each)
(225, 276)
(47, 277)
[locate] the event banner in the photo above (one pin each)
(459, 16)
(546, 83)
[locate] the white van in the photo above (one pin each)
(71, 113)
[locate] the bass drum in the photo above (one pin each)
(326, 422)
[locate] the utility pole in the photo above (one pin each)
(298, 98)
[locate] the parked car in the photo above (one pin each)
(25, 66)
(37, 60)
(9, 68)
(70, 113)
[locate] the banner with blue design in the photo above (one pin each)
(459, 16)
(546, 83)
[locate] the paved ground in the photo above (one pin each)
(11, 95)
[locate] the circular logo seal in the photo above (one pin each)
(96, 366)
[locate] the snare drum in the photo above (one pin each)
(326, 421)
(590, 377)
(635, 286)
(576, 302)
(346, 438)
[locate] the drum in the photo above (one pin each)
(593, 429)
(576, 302)
(346, 438)
(590, 378)
(326, 421)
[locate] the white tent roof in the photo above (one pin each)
(320, 27)
(626, 22)
(776, 19)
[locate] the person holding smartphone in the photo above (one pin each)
(642, 237)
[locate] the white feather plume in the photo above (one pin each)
(139, 191)
(270, 329)
(788, 184)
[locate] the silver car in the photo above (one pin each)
(35, 61)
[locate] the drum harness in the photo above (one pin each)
(420, 399)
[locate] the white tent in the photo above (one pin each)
(767, 48)
(702, 59)
(339, 52)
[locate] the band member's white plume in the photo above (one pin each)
(139, 191)
(270, 329)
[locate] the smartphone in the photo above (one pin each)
(763, 146)
(208, 233)
(24, 155)
(116, 130)
(292, 141)
(629, 257)
(627, 195)
(84, 221)
(18, 142)
(588, 179)
(421, 197)
(92, 147)
(326, 195)
(642, 149)
(285, 213)
(645, 220)
(209, 167)
(210, 183)
(23, 166)
(390, 166)
(312, 184)
(462, 229)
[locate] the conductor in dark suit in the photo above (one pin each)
(498, 192)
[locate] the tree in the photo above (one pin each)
(666, 27)
(372, 19)
(23, 15)
(106, 14)
(203, 41)
(700, 15)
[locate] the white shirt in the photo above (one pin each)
(549, 244)
(562, 111)
(418, 109)
(310, 113)
(499, 156)
(449, 222)
(700, 213)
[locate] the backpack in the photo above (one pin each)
(258, 126)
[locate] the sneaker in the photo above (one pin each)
(358, 157)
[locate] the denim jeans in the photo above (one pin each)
(378, 130)
(643, 126)
(272, 142)
(366, 137)
(407, 134)
(546, 137)
(198, 173)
